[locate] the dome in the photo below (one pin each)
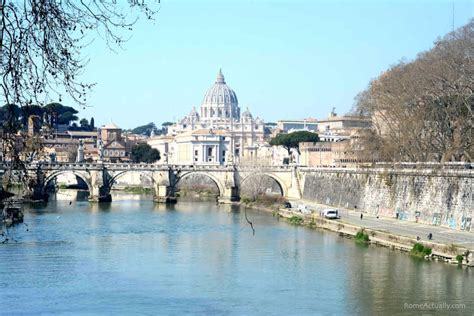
(220, 93)
(247, 114)
(220, 101)
(194, 114)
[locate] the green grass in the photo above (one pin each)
(419, 250)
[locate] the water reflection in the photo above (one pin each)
(134, 256)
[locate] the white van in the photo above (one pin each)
(332, 213)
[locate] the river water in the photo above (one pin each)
(136, 257)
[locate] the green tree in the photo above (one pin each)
(9, 117)
(92, 124)
(166, 124)
(144, 129)
(84, 124)
(61, 114)
(144, 153)
(292, 140)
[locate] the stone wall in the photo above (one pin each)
(441, 197)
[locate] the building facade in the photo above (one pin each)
(216, 133)
(111, 146)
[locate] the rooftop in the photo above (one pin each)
(82, 133)
(110, 126)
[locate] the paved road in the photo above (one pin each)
(442, 235)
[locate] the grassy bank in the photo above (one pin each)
(138, 190)
(269, 203)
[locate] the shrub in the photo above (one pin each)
(245, 200)
(361, 236)
(427, 251)
(459, 259)
(269, 200)
(296, 220)
(420, 251)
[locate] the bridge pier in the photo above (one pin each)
(164, 194)
(98, 194)
(100, 186)
(229, 195)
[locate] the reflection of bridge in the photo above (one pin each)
(100, 178)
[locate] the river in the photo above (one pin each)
(136, 257)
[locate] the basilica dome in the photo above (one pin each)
(220, 101)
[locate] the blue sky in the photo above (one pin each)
(284, 59)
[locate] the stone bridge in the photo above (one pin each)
(100, 178)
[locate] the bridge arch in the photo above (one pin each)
(280, 182)
(120, 174)
(220, 186)
(51, 176)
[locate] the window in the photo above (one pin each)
(196, 152)
(209, 151)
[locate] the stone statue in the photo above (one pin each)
(80, 152)
(101, 150)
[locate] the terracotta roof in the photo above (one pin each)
(82, 133)
(114, 144)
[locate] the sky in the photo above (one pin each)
(284, 59)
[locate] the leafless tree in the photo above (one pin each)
(40, 50)
(41, 43)
(423, 110)
(254, 185)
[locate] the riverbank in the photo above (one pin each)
(439, 251)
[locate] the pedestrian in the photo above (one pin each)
(418, 238)
(361, 216)
(397, 215)
(430, 236)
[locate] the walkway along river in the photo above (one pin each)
(134, 256)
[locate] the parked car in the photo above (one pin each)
(332, 213)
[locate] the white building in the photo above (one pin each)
(217, 133)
